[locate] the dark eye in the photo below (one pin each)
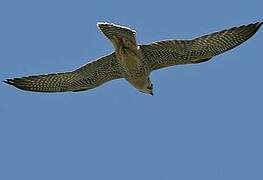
(150, 87)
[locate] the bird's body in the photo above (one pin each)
(136, 70)
(135, 62)
(128, 54)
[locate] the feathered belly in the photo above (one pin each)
(136, 72)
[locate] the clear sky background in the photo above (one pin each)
(204, 122)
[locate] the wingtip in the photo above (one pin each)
(254, 26)
(8, 81)
(259, 24)
(13, 83)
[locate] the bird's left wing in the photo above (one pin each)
(86, 77)
(172, 52)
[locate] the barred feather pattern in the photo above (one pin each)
(111, 30)
(173, 52)
(89, 76)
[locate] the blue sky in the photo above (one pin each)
(204, 121)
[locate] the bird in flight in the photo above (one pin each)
(135, 62)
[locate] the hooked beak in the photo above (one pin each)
(151, 93)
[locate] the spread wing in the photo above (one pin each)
(86, 77)
(116, 32)
(172, 52)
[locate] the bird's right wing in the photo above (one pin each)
(172, 52)
(86, 77)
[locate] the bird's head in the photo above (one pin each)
(147, 88)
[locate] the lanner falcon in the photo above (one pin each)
(135, 62)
